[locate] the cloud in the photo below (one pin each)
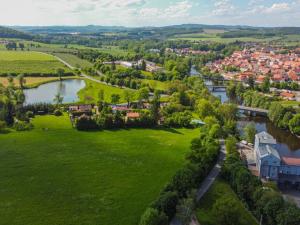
(278, 8)
(223, 8)
(176, 11)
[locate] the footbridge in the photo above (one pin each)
(253, 111)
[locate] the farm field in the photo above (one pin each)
(73, 60)
(215, 38)
(59, 175)
(90, 93)
(29, 80)
(29, 62)
(220, 189)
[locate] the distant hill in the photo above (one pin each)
(11, 33)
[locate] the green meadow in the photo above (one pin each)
(56, 175)
(29, 62)
(89, 94)
(218, 190)
(73, 60)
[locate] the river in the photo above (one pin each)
(287, 143)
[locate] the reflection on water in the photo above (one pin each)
(45, 93)
(287, 143)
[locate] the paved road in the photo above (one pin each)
(206, 184)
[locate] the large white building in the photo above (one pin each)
(271, 165)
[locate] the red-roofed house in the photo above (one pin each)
(288, 96)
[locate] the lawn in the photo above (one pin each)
(58, 175)
(90, 93)
(219, 189)
(73, 60)
(28, 62)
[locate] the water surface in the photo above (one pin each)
(46, 93)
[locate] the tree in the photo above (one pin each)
(251, 82)
(58, 99)
(101, 98)
(167, 203)
(143, 94)
(294, 124)
(226, 211)
(115, 98)
(21, 46)
(205, 108)
(143, 65)
(185, 210)
(153, 217)
(265, 87)
(128, 96)
(230, 145)
(22, 80)
(60, 72)
(250, 132)
(155, 106)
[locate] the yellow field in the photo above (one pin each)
(30, 81)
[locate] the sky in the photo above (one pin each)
(137, 13)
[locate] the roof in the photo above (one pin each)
(266, 150)
(291, 161)
(265, 138)
(133, 115)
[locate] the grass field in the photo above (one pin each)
(218, 190)
(156, 84)
(90, 93)
(28, 62)
(73, 60)
(61, 176)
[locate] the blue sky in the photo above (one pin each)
(150, 12)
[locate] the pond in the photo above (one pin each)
(46, 93)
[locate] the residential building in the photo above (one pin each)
(271, 165)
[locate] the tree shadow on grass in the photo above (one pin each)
(5, 131)
(166, 129)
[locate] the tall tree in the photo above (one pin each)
(60, 72)
(22, 80)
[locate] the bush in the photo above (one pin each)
(2, 126)
(29, 114)
(167, 203)
(22, 126)
(86, 123)
(57, 112)
(153, 217)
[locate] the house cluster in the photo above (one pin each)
(130, 112)
(186, 51)
(260, 63)
(150, 66)
(273, 166)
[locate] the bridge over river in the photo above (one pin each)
(253, 111)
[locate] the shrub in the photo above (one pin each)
(29, 114)
(153, 217)
(2, 126)
(57, 112)
(85, 123)
(167, 203)
(22, 126)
